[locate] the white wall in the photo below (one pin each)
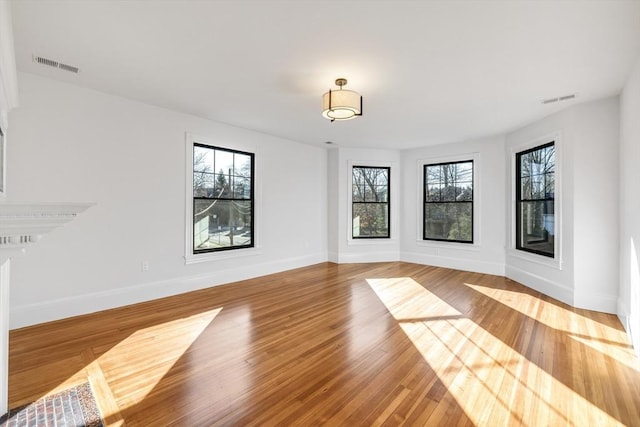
(487, 253)
(586, 272)
(629, 292)
(74, 144)
(343, 247)
(596, 204)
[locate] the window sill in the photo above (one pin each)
(537, 259)
(222, 255)
(372, 241)
(473, 247)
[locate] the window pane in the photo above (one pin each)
(202, 159)
(550, 186)
(464, 172)
(464, 192)
(369, 193)
(221, 224)
(434, 174)
(381, 193)
(433, 193)
(223, 162)
(202, 184)
(222, 186)
(242, 188)
(451, 183)
(537, 187)
(537, 228)
(223, 199)
(535, 220)
(525, 188)
(358, 192)
(449, 221)
(358, 175)
(242, 165)
(370, 220)
(370, 202)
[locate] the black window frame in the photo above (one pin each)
(520, 200)
(195, 198)
(425, 202)
(365, 202)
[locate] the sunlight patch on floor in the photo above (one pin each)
(544, 312)
(164, 344)
(578, 327)
(472, 362)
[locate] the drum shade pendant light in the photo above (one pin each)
(341, 104)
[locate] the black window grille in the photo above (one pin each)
(370, 202)
(448, 202)
(223, 199)
(535, 200)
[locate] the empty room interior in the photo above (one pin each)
(293, 213)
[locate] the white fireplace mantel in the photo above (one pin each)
(22, 225)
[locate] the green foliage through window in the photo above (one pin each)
(370, 202)
(448, 202)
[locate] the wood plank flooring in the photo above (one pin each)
(351, 344)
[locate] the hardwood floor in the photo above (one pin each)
(351, 344)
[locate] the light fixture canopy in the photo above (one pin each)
(341, 104)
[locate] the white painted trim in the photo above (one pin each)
(456, 263)
(4, 335)
(222, 255)
(557, 261)
(372, 242)
(449, 245)
(31, 314)
(393, 200)
(8, 73)
(189, 256)
(540, 284)
(535, 258)
(596, 301)
(23, 224)
(477, 232)
(625, 319)
(3, 162)
(366, 257)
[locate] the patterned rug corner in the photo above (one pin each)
(75, 407)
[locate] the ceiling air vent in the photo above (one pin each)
(55, 64)
(560, 98)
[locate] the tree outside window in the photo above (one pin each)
(370, 202)
(448, 202)
(222, 199)
(535, 200)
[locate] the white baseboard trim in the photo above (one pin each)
(597, 301)
(365, 257)
(540, 284)
(623, 314)
(625, 319)
(334, 257)
(476, 266)
(32, 314)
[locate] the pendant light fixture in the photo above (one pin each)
(341, 104)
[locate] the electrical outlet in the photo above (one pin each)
(145, 266)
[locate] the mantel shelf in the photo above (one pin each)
(24, 223)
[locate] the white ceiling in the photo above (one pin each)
(430, 71)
